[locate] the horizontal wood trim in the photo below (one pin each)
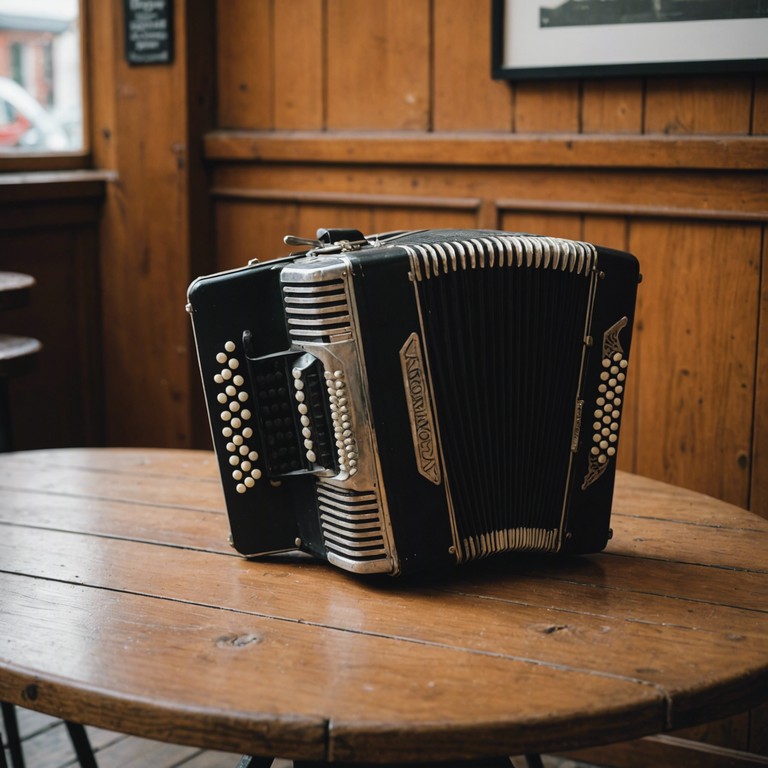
(746, 153)
(301, 197)
(43, 161)
(52, 185)
(332, 198)
(631, 211)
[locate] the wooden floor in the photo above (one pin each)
(46, 744)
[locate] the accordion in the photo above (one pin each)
(415, 400)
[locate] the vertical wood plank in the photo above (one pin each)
(146, 234)
(252, 230)
(466, 98)
(299, 65)
(698, 105)
(245, 63)
(760, 106)
(612, 106)
(696, 336)
(548, 106)
(758, 500)
(378, 65)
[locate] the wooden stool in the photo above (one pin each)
(18, 354)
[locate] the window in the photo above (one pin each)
(40, 77)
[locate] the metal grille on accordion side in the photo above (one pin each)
(504, 321)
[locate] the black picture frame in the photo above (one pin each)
(523, 46)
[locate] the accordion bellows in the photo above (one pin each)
(414, 401)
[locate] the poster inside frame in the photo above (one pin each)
(597, 38)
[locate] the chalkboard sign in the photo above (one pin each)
(149, 31)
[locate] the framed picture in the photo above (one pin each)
(597, 38)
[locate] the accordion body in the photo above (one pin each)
(410, 402)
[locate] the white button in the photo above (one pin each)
(247, 432)
(227, 432)
(243, 450)
(250, 482)
(231, 447)
(238, 381)
(298, 384)
(230, 346)
(237, 475)
(306, 432)
(246, 414)
(231, 391)
(253, 456)
(237, 439)
(256, 474)
(236, 423)
(234, 406)
(611, 451)
(234, 461)
(246, 465)
(242, 397)
(299, 396)
(221, 397)
(309, 445)
(221, 358)
(234, 363)
(240, 488)
(218, 378)
(226, 415)
(311, 457)
(226, 374)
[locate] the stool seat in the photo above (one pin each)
(15, 289)
(17, 354)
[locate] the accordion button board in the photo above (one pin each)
(417, 400)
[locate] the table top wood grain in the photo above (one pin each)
(122, 606)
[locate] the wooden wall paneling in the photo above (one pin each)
(248, 230)
(610, 231)
(547, 106)
(689, 105)
(299, 68)
(386, 219)
(147, 228)
(466, 98)
(378, 65)
(629, 192)
(696, 335)
(758, 498)
(760, 105)
(549, 224)
(59, 403)
(245, 64)
(612, 106)
(102, 37)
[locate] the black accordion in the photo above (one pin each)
(415, 400)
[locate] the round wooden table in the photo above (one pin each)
(122, 606)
